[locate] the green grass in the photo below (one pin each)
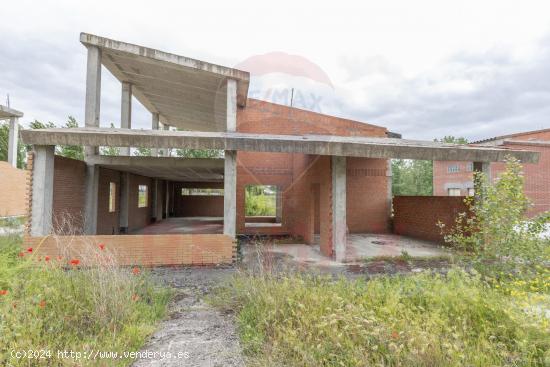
(417, 320)
(51, 306)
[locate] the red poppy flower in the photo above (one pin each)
(135, 270)
(42, 304)
(59, 258)
(102, 246)
(21, 254)
(47, 258)
(135, 298)
(3, 292)
(395, 335)
(29, 249)
(75, 262)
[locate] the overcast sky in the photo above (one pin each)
(421, 68)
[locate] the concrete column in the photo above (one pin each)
(230, 194)
(163, 152)
(339, 221)
(278, 205)
(231, 105)
(90, 205)
(230, 168)
(158, 207)
(154, 126)
(124, 202)
(126, 112)
(167, 200)
(42, 190)
(13, 141)
(93, 93)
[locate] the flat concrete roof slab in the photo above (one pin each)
(7, 112)
(166, 168)
(187, 93)
(306, 144)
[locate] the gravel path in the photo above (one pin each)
(200, 334)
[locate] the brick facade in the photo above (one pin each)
(417, 216)
(13, 193)
(69, 188)
(537, 176)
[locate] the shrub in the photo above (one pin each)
(496, 225)
(59, 304)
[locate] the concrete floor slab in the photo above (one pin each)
(359, 248)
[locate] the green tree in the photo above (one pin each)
(142, 152)
(412, 177)
(199, 153)
(453, 140)
(110, 150)
(69, 151)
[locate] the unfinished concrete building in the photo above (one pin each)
(330, 176)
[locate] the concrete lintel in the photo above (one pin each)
(42, 190)
(13, 141)
(339, 220)
(307, 144)
(164, 162)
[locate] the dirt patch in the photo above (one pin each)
(193, 328)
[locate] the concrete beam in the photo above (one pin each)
(91, 200)
(13, 141)
(7, 112)
(155, 126)
(93, 93)
(126, 111)
(42, 190)
(305, 144)
(339, 220)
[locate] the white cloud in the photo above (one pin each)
(423, 68)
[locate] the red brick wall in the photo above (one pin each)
(147, 250)
(297, 174)
(139, 217)
(417, 216)
(442, 179)
(69, 188)
(108, 223)
(199, 206)
(13, 194)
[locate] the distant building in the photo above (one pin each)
(452, 178)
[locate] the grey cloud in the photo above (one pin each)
(496, 94)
